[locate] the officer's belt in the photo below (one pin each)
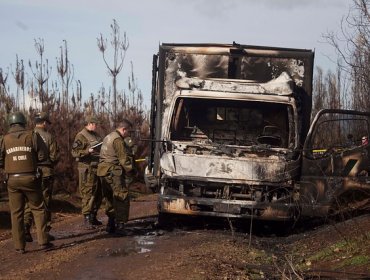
(44, 165)
(92, 163)
(22, 174)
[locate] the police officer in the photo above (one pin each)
(47, 169)
(85, 149)
(20, 152)
(116, 165)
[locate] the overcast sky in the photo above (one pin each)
(281, 23)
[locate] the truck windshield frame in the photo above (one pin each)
(232, 122)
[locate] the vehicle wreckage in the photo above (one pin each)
(231, 136)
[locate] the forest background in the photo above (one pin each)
(35, 90)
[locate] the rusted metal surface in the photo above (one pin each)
(230, 123)
(223, 169)
(238, 69)
(224, 208)
(228, 62)
(228, 128)
(339, 174)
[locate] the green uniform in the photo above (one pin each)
(115, 166)
(47, 168)
(89, 184)
(20, 152)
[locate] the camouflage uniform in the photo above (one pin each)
(47, 168)
(20, 151)
(89, 184)
(115, 169)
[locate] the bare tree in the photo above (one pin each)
(77, 96)
(3, 79)
(62, 99)
(65, 71)
(319, 91)
(326, 91)
(6, 102)
(120, 46)
(18, 75)
(355, 55)
(42, 71)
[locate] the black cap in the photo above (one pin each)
(42, 117)
(91, 119)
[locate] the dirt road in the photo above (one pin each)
(189, 251)
(145, 253)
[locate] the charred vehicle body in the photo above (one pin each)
(335, 164)
(228, 124)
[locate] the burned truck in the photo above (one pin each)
(228, 131)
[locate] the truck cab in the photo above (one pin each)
(231, 136)
(228, 123)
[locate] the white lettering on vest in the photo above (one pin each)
(18, 149)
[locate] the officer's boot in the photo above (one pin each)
(111, 225)
(87, 222)
(50, 236)
(86, 219)
(120, 229)
(27, 233)
(94, 221)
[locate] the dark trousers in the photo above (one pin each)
(24, 189)
(47, 191)
(116, 194)
(90, 189)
